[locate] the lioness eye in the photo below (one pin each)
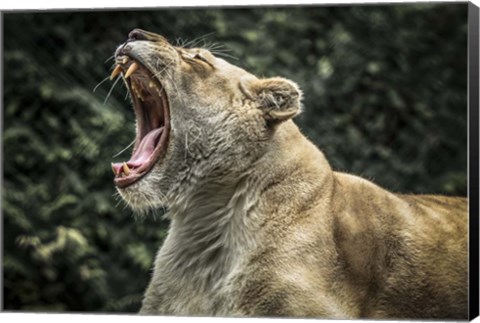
(200, 57)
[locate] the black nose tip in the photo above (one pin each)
(137, 34)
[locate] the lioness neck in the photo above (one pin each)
(217, 215)
(216, 226)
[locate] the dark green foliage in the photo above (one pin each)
(385, 91)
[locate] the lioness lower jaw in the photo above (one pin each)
(260, 224)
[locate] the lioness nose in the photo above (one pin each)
(139, 34)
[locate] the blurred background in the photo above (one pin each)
(385, 98)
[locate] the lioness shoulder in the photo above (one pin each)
(260, 225)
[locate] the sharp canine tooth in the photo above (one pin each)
(125, 60)
(131, 70)
(151, 84)
(126, 170)
(117, 70)
(114, 171)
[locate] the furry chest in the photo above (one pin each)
(201, 291)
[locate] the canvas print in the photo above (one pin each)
(302, 161)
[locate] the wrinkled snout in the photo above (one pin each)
(139, 34)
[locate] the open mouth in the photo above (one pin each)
(153, 121)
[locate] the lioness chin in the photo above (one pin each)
(260, 224)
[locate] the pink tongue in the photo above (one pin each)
(145, 149)
(143, 152)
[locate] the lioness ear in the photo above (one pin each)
(278, 98)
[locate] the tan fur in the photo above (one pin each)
(262, 226)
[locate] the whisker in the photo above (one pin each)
(162, 70)
(187, 43)
(118, 203)
(127, 92)
(213, 46)
(197, 40)
(110, 58)
(100, 83)
(225, 55)
(118, 198)
(190, 43)
(220, 49)
(111, 89)
(180, 42)
(174, 85)
(129, 145)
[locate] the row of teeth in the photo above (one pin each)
(133, 67)
(125, 168)
(137, 92)
(118, 69)
(151, 85)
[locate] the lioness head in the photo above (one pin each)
(198, 118)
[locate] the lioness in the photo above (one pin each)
(260, 224)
